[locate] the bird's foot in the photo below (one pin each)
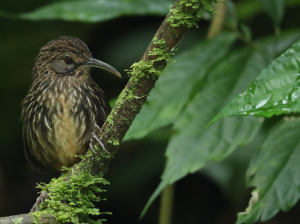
(98, 127)
(39, 200)
(94, 136)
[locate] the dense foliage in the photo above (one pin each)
(214, 106)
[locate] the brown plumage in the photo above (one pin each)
(63, 104)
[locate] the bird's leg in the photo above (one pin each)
(92, 145)
(99, 140)
(39, 200)
(94, 136)
(98, 127)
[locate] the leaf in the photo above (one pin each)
(201, 145)
(231, 19)
(274, 171)
(246, 32)
(275, 91)
(275, 9)
(192, 146)
(229, 174)
(97, 10)
(176, 85)
(248, 9)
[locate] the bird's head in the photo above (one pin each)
(68, 56)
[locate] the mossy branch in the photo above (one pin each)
(26, 219)
(143, 74)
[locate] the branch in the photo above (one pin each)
(144, 75)
(26, 219)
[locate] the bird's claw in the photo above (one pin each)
(98, 127)
(94, 136)
(92, 146)
(40, 199)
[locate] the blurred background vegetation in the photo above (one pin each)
(213, 195)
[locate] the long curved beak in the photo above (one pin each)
(100, 64)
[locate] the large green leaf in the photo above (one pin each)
(275, 9)
(175, 86)
(98, 10)
(274, 171)
(192, 146)
(275, 91)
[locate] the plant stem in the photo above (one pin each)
(166, 205)
(217, 21)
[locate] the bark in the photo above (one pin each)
(26, 219)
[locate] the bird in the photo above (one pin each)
(64, 105)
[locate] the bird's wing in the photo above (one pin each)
(36, 164)
(103, 106)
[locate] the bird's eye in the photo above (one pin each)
(68, 60)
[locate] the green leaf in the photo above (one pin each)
(177, 84)
(112, 102)
(229, 174)
(275, 90)
(231, 19)
(98, 10)
(275, 9)
(274, 171)
(246, 32)
(192, 146)
(248, 9)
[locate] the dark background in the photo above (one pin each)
(136, 169)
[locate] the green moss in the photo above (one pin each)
(134, 108)
(145, 68)
(162, 51)
(17, 221)
(114, 141)
(184, 12)
(103, 153)
(72, 201)
(109, 120)
(208, 5)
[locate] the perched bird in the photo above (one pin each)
(64, 105)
